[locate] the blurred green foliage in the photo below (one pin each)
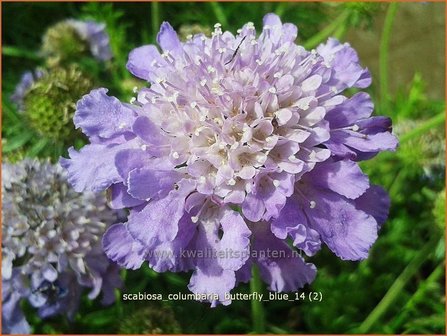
(398, 289)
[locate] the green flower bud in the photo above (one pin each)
(50, 103)
(150, 320)
(62, 42)
(187, 31)
(426, 152)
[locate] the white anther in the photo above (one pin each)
(153, 100)
(292, 157)
(222, 50)
(202, 118)
(272, 90)
(193, 104)
(203, 82)
(173, 98)
(258, 61)
(276, 183)
(143, 147)
(133, 100)
(277, 74)
(194, 219)
(355, 128)
(253, 42)
(153, 62)
(313, 52)
(312, 204)
(165, 54)
(210, 69)
(239, 31)
(217, 25)
(202, 179)
(232, 182)
(160, 80)
(175, 155)
(203, 38)
(189, 36)
(334, 89)
(122, 125)
(135, 89)
(266, 27)
(269, 139)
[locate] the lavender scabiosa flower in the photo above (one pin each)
(238, 143)
(50, 242)
(70, 38)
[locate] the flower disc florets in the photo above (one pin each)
(224, 142)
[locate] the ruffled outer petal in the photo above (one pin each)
(235, 240)
(293, 222)
(359, 106)
(175, 255)
(376, 202)
(213, 282)
(281, 268)
(86, 172)
(120, 199)
(158, 221)
(122, 248)
(142, 60)
(98, 114)
(345, 62)
(347, 231)
(144, 183)
(344, 177)
(167, 38)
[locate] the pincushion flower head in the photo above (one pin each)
(237, 143)
(51, 247)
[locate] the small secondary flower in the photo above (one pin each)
(51, 243)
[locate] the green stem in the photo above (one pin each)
(257, 310)
(384, 51)
(281, 8)
(327, 31)
(396, 288)
(424, 127)
(219, 13)
(18, 52)
(340, 32)
(155, 17)
(419, 296)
